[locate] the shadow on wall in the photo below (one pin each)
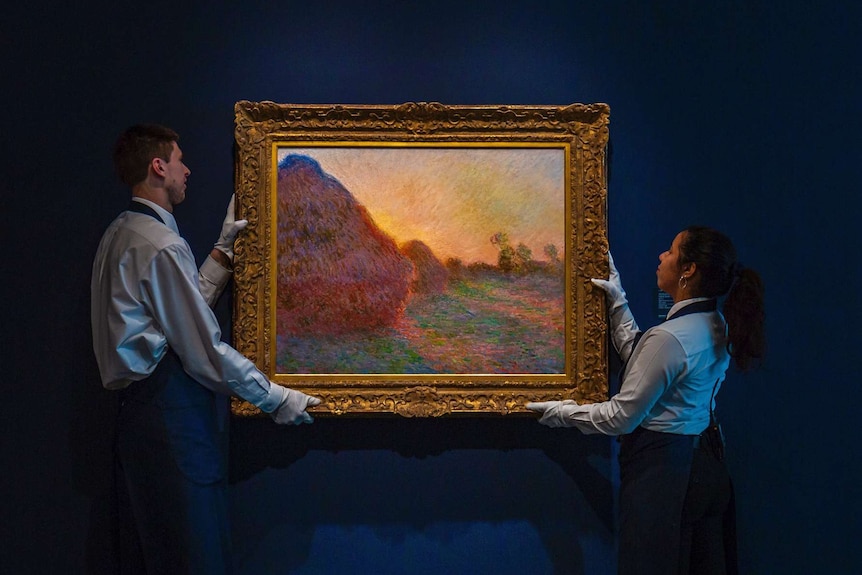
(402, 479)
(90, 446)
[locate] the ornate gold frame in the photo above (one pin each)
(582, 130)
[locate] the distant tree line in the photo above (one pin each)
(517, 260)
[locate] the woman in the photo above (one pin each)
(675, 493)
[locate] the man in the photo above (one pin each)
(158, 342)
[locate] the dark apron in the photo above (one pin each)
(672, 489)
(172, 458)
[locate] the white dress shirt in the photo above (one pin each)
(670, 381)
(147, 294)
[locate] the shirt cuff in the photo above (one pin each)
(212, 279)
(215, 273)
(260, 392)
(274, 398)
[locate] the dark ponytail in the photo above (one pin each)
(743, 310)
(715, 257)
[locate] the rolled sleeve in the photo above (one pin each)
(268, 396)
(212, 279)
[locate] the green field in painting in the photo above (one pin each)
(492, 324)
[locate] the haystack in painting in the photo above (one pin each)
(429, 275)
(337, 271)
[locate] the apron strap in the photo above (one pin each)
(142, 208)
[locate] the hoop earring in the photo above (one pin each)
(683, 282)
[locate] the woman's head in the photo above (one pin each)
(701, 262)
(705, 261)
(711, 257)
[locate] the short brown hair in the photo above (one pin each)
(137, 146)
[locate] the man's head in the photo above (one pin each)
(138, 146)
(148, 159)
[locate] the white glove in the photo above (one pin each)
(622, 323)
(292, 408)
(554, 413)
(613, 286)
(229, 230)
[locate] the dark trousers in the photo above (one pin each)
(171, 462)
(708, 535)
(674, 500)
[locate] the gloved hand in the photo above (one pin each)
(613, 286)
(622, 323)
(292, 408)
(554, 413)
(229, 230)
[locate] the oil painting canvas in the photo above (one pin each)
(420, 260)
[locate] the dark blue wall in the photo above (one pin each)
(740, 115)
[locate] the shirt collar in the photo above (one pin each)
(681, 304)
(167, 217)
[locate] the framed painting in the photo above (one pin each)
(422, 259)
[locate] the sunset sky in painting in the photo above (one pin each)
(455, 199)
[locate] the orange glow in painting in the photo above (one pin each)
(455, 198)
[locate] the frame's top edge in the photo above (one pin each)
(269, 110)
(251, 104)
